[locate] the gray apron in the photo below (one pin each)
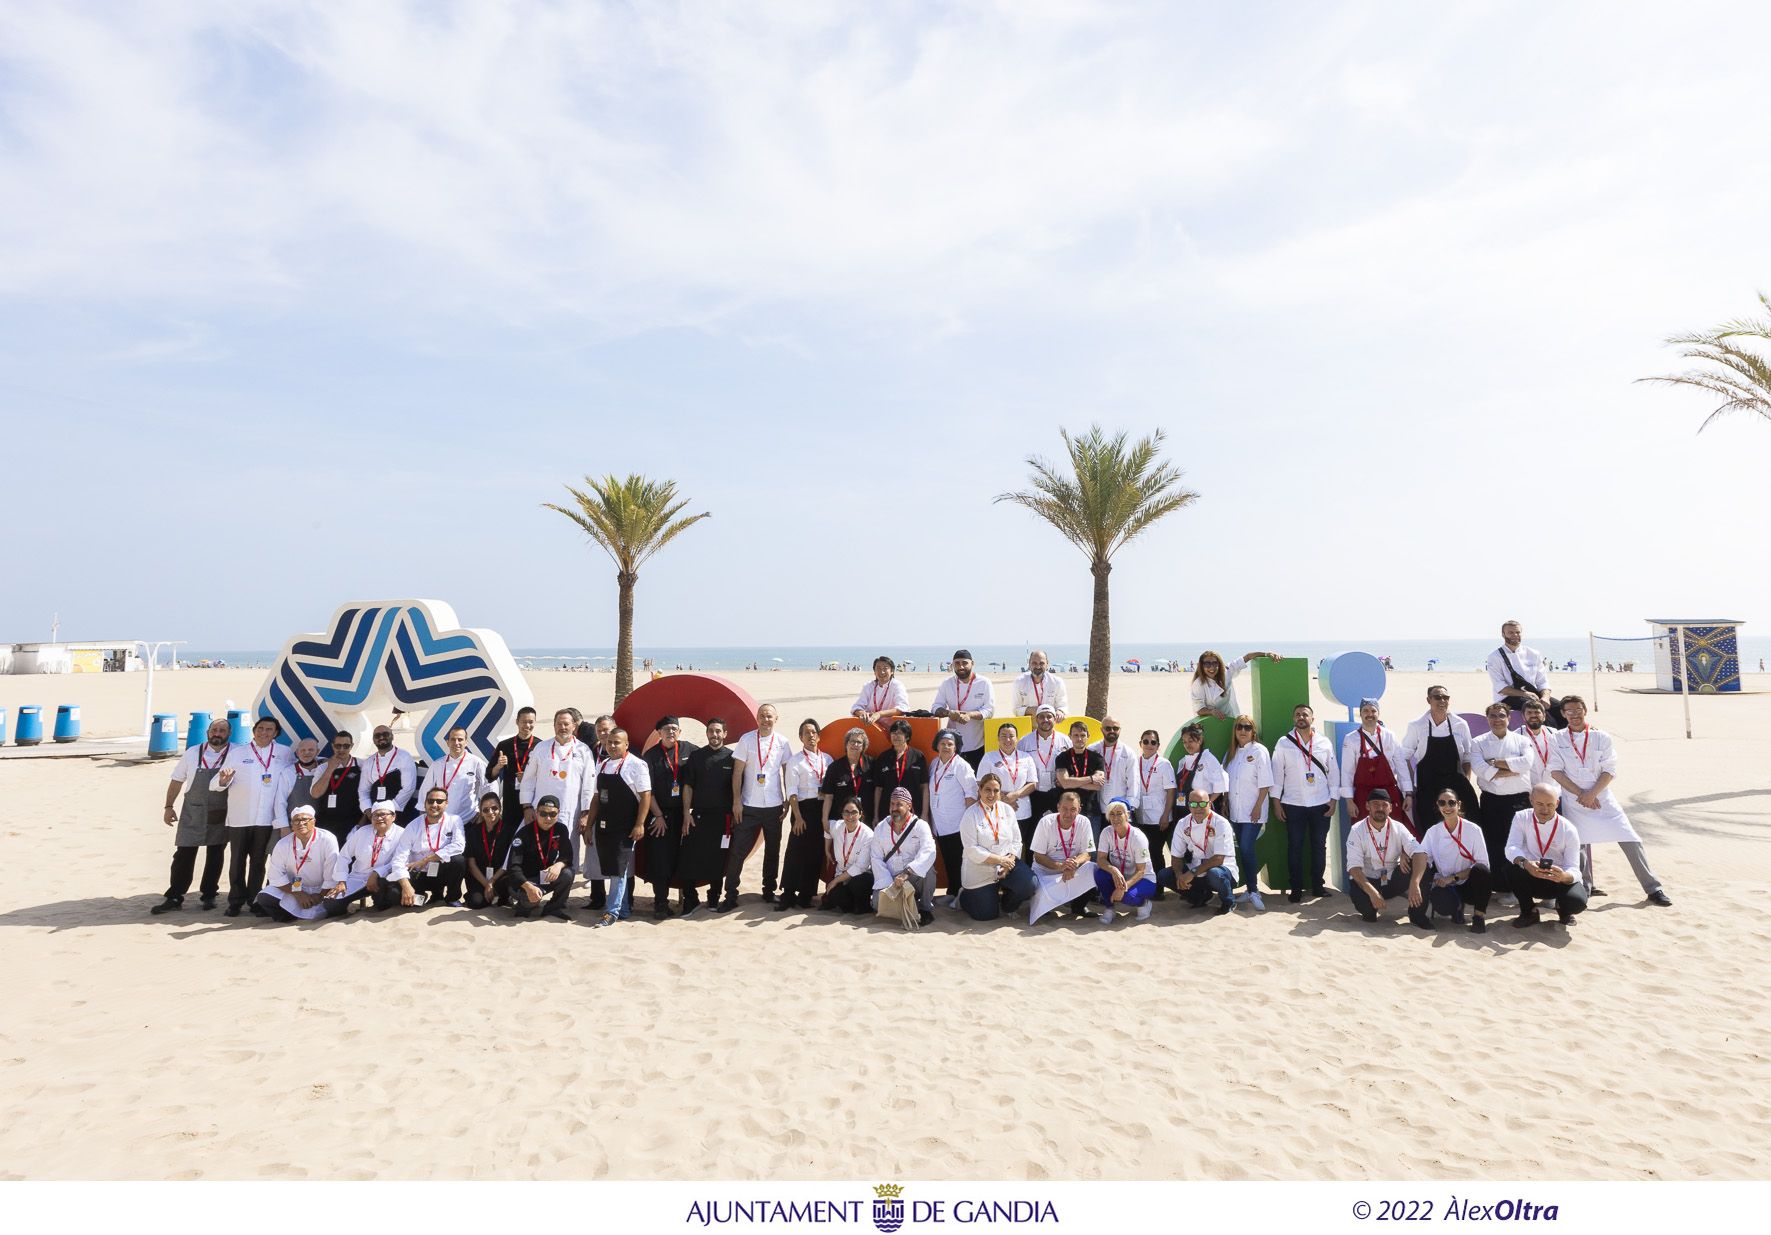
(202, 817)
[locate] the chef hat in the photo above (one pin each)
(303, 809)
(384, 807)
(901, 794)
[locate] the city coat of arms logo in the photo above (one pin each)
(888, 1207)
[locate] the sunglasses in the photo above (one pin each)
(1448, 802)
(1149, 742)
(1438, 698)
(1248, 728)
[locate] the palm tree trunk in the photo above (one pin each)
(1100, 643)
(624, 581)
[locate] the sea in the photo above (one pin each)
(1569, 654)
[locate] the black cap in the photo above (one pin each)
(962, 654)
(1378, 795)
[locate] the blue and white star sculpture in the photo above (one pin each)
(379, 655)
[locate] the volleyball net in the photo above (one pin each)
(1654, 655)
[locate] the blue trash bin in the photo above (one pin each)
(239, 725)
(30, 726)
(198, 732)
(163, 736)
(2, 726)
(67, 722)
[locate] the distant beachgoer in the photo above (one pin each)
(1214, 683)
(884, 697)
(1441, 760)
(967, 701)
(1038, 687)
(1520, 673)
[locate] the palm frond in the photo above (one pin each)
(1739, 375)
(1115, 489)
(631, 517)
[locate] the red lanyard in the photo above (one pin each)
(1187, 775)
(265, 763)
(1038, 692)
(1016, 766)
(203, 757)
(1122, 852)
(1383, 851)
(442, 826)
(1108, 759)
(764, 756)
(1146, 774)
(941, 771)
(1543, 846)
(1582, 752)
(379, 774)
(521, 757)
(553, 761)
(1065, 840)
(1074, 770)
(552, 842)
(375, 852)
(1457, 838)
(673, 760)
(302, 860)
(337, 778)
(489, 840)
(996, 824)
(1305, 750)
(878, 698)
(848, 844)
(1376, 748)
(901, 761)
(604, 769)
(1046, 759)
(855, 778)
(960, 705)
(448, 776)
(1543, 752)
(812, 763)
(1198, 846)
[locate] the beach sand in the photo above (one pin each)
(1294, 1044)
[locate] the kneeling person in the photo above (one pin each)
(1122, 865)
(429, 864)
(1544, 849)
(365, 864)
(904, 853)
(992, 876)
(540, 863)
(1375, 869)
(301, 869)
(851, 851)
(1458, 857)
(1204, 855)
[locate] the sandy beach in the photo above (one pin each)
(1295, 1043)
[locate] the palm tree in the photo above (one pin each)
(1741, 377)
(1118, 489)
(631, 519)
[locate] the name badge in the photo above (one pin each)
(725, 842)
(603, 796)
(431, 868)
(381, 793)
(676, 791)
(762, 778)
(295, 886)
(332, 801)
(1309, 778)
(265, 779)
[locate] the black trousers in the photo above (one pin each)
(1045, 801)
(184, 866)
(1474, 891)
(501, 890)
(1571, 898)
(445, 884)
(1396, 885)
(755, 819)
(1006, 895)
(805, 862)
(973, 757)
(661, 852)
(1029, 826)
(952, 851)
(1158, 838)
(553, 897)
(385, 896)
(247, 850)
(1495, 814)
(851, 895)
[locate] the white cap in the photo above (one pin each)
(384, 807)
(301, 810)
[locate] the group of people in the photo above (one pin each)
(1049, 820)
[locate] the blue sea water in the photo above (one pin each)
(1406, 655)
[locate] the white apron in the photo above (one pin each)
(1051, 889)
(1607, 825)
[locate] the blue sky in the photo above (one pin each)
(305, 304)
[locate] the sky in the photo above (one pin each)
(305, 304)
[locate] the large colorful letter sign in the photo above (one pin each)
(378, 655)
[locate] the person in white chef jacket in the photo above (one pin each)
(904, 851)
(430, 864)
(882, 698)
(390, 774)
(1063, 861)
(1213, 689)
(1544, 848)
(1249, 769)
(1116, 762)
(1306, 783)
(565, 768)
(294, 785)
(1583, 761)
(460, 773)
(364, 870)
(1040, 687)
(967, 701)
(949, 792)
(1204, 855)
(1520, 674)
(1458, 865)
(1385, 864)
(851, 853)
(995, 879)
(1017, 773)
(1153, 794)
(249, 777)
(301, 868)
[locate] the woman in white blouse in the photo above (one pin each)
(1249, 769)
(1214, 683)
(993, 877)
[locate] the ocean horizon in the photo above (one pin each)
(1406, 655)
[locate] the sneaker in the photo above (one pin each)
(1107, 916)
(1144, 911)
(1254, 898)
(457, 904)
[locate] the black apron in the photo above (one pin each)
(337, 808)
(202, 816)
(618, 809)
(1438, 770)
